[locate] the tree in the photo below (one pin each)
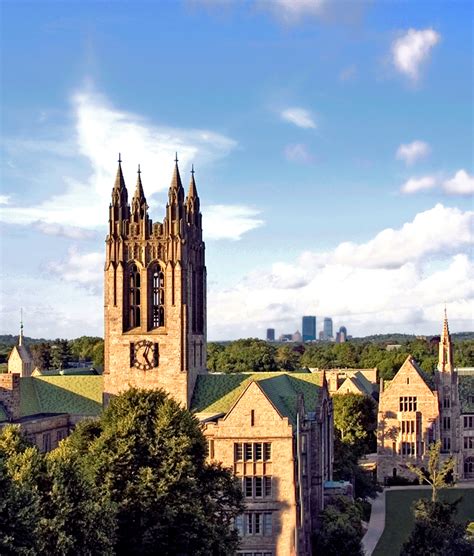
(341, 532)
(48, 506)
(287, 358)
(355, 421)
(436, 533)
(249, 355)
(60, 354)
(41, 355)
(147, 458)
(98, 354)
(437, 472)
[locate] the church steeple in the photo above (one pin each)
(445, 359)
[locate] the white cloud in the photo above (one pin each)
(4, 199)
(413, 185)
(396, 281)
(299, 116)
(292, 11)
(229, 221)
(348, 73)
(411, 152)
(412, 49)
(72, 232)
(460, 184)
(298, 153)
(101, 132)
(82, 269)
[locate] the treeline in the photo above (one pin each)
(134, 482)
(254, 355)
(60, 353)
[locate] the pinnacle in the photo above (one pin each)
(139, 194)
(176, 179)
(192, 192)
(119, 179)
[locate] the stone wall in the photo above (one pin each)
(10, 394)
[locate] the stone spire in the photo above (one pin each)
(192, 198)
(445, 359)
(175, 207)
(176, 186)
(139, 206)
(119, 192)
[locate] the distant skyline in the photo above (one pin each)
(332, 143)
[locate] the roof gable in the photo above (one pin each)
(409, 374)
(217, 393)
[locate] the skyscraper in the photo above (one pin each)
(327, 328)
(309, 329)
(270, 334)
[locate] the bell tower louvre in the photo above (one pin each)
(154, 292)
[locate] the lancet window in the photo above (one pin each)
(157, 297)
(134, 296)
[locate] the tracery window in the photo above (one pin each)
(157, 297)
(134, 296)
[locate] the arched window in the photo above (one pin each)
(157, 298)
(134, 296)
(469, 468)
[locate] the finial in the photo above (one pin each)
(20, 338)
(139, 171)
(176, 157)
(192, 169)
(120, 159)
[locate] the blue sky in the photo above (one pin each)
(332, 144)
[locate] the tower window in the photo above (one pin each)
(134, 296)
(158, 298)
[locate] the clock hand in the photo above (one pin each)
(145, 355)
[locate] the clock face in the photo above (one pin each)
(144, 355)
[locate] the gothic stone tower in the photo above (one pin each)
(448, 395)
(155, 293)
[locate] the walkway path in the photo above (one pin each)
(377, 516)
(376, 524)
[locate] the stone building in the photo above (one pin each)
(275, 430)
(351, 381)
(416, 410)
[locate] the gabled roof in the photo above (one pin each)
(77, 395)
(412, 367)
(23, 352)
(216, 393)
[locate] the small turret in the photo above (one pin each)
(192, 203)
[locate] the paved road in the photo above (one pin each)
(377, 517)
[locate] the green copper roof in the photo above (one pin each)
(466, 393)
(78, 395)
(216, 393)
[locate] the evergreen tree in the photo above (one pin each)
(41, 354)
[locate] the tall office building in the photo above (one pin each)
(309, 329)
(270, 334)
(327, 328)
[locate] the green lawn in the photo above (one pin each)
(399, 516)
